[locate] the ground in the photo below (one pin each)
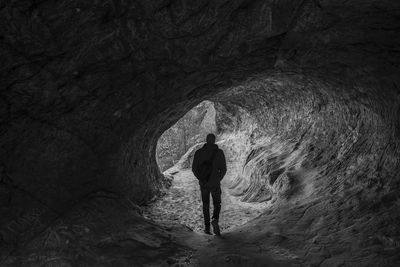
(182, 203)
(233, 248)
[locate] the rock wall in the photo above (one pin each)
(315, 136)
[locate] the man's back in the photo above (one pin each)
(218, 165)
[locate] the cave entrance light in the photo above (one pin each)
(174, 154)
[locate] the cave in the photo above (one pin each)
(311, 89)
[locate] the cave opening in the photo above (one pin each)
(181, 201)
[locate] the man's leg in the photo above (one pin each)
(205, 197)
(216, 195)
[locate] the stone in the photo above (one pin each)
(333, 262)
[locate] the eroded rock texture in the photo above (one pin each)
(328, 163)
(87, 87)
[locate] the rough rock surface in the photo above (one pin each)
(88, 87)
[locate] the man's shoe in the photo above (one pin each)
(207, 230)
(216, 228)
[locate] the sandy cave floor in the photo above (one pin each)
(182, 204)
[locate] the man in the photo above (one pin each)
(213, 156)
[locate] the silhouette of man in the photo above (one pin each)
(210, 151)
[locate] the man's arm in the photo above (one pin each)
(195, 164)
(222, 165)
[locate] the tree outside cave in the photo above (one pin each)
(190, 130)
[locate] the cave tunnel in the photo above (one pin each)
(310, 87)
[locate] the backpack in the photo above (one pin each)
(205, 168)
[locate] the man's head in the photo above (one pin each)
(210, 138)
